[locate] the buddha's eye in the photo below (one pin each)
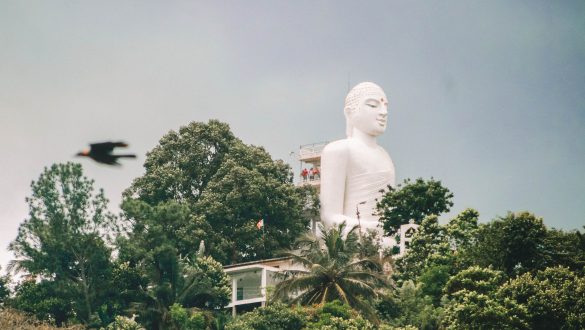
(372, 103)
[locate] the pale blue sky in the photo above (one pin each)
(487, 96)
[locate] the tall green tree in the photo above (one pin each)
(514, 244)
(335, 272)
(565, 248)
(412, 201)
(230, 186)
(64, 237)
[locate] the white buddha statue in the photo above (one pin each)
(355, 169)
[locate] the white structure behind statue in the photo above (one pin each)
(355, 169)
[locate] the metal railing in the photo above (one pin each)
(311, 150)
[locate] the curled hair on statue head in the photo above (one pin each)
(353, 100)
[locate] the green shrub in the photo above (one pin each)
(335, 315)
(182, 319)
(337, 308)
(123, 323)
(272, 317)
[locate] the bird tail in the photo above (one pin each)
(125, 156)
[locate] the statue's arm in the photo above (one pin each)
(334, 166)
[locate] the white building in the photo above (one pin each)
(310, 170)
(251, 280)
(407, 232)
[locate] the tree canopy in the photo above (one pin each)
(230, 186)
(514, 243)
(553, 298)
(412, 201)
(64, 238)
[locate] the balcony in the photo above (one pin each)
(311, 153)
(250, 280)
(316, 182)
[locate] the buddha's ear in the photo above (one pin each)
(348, 112)
(348, 117)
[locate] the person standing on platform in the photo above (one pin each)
(304, 174)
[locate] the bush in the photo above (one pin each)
(45, 300)
(13, 319)
(336, 308)
(275, 316)
(338, 323)
(553, 298)
(336, 316)
(123, 323)
(408, 306)
(181, 319)
(331, 316)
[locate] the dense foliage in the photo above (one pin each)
(514, 244)
(412, 201)
(552, 298)
(229, 186)
(196, 208)
(328, 316)
(498, 275)
(14, 319)
(165, 264)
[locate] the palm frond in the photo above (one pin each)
(334, 270)
(341, 293)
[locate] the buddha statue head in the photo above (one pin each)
(366, 109)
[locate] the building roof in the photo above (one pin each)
(263, 261)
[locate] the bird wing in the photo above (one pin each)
(106, 147)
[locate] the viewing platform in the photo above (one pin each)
(310, 164)
(311, 153)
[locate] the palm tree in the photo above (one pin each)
(198, 283)
(334, 271)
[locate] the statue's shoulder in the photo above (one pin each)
(339, 148)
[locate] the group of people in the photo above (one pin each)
(311, 174)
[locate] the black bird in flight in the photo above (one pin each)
(102, 152)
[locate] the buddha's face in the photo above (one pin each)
(371, 115)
